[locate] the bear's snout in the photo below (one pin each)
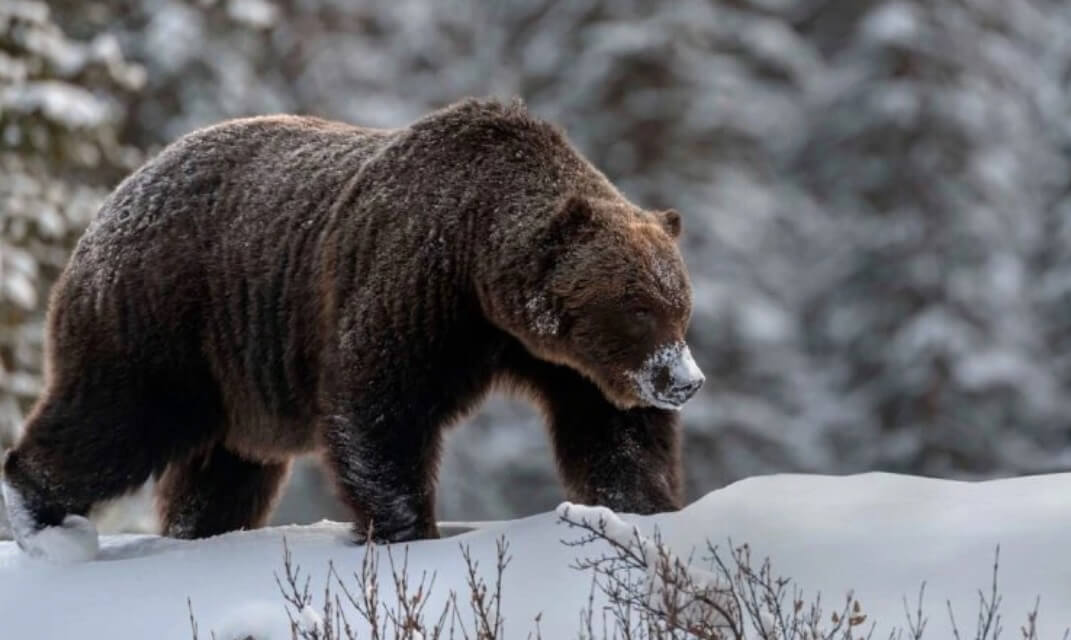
(685, 378)
(669, 377)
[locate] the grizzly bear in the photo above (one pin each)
(280, 285)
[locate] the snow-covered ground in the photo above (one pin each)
(879, 534)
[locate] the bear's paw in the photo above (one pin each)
(74, 541)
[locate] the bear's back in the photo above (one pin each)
(267, 165)
(237, 188)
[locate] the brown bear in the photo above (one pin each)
(273, 286)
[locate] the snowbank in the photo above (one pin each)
(879, 534)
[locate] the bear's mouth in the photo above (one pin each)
(668, 378)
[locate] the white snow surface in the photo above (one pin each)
(879, 534)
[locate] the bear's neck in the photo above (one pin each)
(462, 207)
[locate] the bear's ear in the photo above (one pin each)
(576, 212)
(574, 219)
(671, 222)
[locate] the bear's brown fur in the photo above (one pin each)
(273, 286)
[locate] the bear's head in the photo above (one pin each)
(612, 300)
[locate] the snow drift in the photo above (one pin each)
(878, 535)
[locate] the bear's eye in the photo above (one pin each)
(641, 322)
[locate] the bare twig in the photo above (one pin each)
(193, 621)
(651, 594)
(916, 624)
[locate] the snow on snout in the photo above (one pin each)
(668, 377)
(685, 371)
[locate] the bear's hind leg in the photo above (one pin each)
(77, 450)
(98, 433)
(217, 491)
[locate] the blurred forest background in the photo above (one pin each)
(876, 194)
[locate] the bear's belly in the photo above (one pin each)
(270, 438)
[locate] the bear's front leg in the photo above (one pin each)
(627, 460)
(385, 473)
(389, 389)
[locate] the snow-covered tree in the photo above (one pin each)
(875, 193)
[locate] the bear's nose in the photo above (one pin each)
(685, 391)
(685, 377)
